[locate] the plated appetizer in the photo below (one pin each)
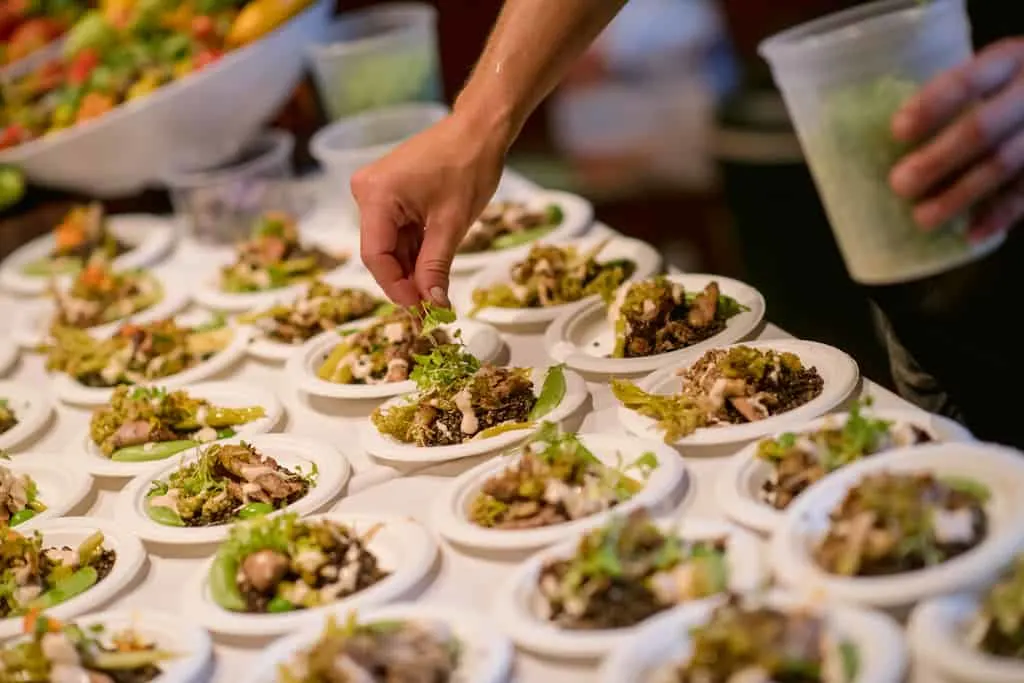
(8, 420)
(99, 295)
(505, 224)
(730, 386)
(82, 235)
(150, 423)
(224, 483)
(24, 411)
(274, 257)
(19, 498)
(998, 626)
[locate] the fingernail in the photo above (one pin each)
(439, 297)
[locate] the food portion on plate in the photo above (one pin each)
(274, 257)
(555, 480)
(800, 459)
(998, 627)
(8, 419)
(505, 224)
(319, 308)
(742, 642)
(283, 563)
(38, 578)
(551, 275)
(136, 353)
(19, 498)
(730, 386)
(225, 482)
(82, 235)
(59, 652)
(627, 571)
(383, 651)
(149, 423)
(892, 522)
(658, 316)
(99, 295)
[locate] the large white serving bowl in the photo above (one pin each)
(193, 122)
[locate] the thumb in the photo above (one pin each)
(434, 263)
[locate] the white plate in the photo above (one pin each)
(481, 340)
(150, 238)
(401, 545)
(388, 448)
(577, 216)
(449, 510)
(70, 531)
(582, 337)
(665, 641)
(646, 258)
(937, 631)
(61, 488)
(31, 326)
(32, 408)
(70, 391)
(515, 613)
(485, 654)
(289, 451)
(739, 485)
(8, 354)
(222, 394)
(998, 468)
(838, 371)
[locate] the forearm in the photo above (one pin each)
(530, 49)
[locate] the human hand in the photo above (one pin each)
(417, 203)
(973, 120)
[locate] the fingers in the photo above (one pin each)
(1000, 213)
(379, 248)
(950, 93)
(440, 241)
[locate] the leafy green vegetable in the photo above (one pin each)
(551, 392)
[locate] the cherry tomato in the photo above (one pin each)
(13, 134)
(205, 58)
(202, 27)
(82, 66)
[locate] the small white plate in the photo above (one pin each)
(582, 337)
(31, 327)
(60, 487)
(938, 630)
(999, 469)
(514, 610)
(643, 255)
(739, 485)
(485, 654)
(388, 448)
(31, 407)
(577, 216)
(221, 394)
(150, 238)
(289, 451)
(401, 545)
(483, 341)
(8, 354)
(450, 508)
(837, 369)
(71, 531)
(665, 641)
(70, 391)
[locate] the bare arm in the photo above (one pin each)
(417, 203)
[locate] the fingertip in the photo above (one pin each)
(904, 124)
(901, 179)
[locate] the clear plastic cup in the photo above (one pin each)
(377, 57)
(345, 146)
(220, 204)
(843, 77)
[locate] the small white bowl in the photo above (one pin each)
(643, 255)
(514, 611)
(582, 337)
(577, 216)
(837, 369)
(483, 341)
(449, 510)
(999, 469)
(938, 636)
(665, 641)
(61, 488)
(485, 654)
(71, 531)
(387, 448)
(289, 451)
(150, 238)
(31, 407)
(401, 545)
(222, 394)
(739, 485)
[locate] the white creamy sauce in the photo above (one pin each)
(464, 402)
(954, 526)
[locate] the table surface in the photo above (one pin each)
(458, 579)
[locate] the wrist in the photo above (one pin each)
(488, 117)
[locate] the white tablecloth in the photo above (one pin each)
(459, 579)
